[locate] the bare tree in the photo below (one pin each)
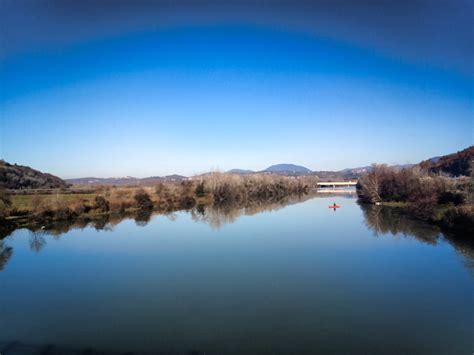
(370, 184)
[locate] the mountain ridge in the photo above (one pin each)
(124, 181)
(287, 168)
(14, 176)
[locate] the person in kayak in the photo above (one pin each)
(334, 205)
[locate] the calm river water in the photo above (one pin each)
(292, 279)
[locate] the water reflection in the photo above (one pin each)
(218, 216)
(293, 281)
(384, 221)
(6, 253)
(381, 220)
(37, 240)
(214, 216)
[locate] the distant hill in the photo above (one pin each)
(240, 171)
(13, 176)
(124, 181)
(456, 164)
(287, 168)
(353, 173)
(93, 181)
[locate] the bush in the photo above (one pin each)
(200, 190)
(143, 200)
(64, 214)
(5, 203)
(420, 189)
(160, 189)
(81, 207)
(101, 204)
(187, 202)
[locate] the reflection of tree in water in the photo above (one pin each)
(6, 228)
(37, 240)
(225, 213)
(464, 245)
(385, 220)
(6, 253)
(216, 216)
(143, 217)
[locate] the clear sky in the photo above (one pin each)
(126, 88)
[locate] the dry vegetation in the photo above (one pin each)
(215, 189)
(435, 198)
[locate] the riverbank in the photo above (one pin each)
(216, 189)
(444, 201)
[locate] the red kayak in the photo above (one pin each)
(334, 206)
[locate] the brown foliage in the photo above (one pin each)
(143, 200)
(5, 202)
(101, 204)
(434, 198)
(216, 189)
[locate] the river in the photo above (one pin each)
(278, 279)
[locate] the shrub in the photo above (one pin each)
(186, 188)
(101, 204)
(200, 190)
(143, 200)
(64, 213)
(160, 189)
(81, 207)
(422, 190)
(187, 202)
(5, 202)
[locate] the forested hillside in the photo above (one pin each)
(14, 176)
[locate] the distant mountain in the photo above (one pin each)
(403, 166)
(347, 174)
(354, 172)
(174, 177)
(93, 181)
(287, 168)
(125, 181)
(13, 176)
(434, 159)
(240, 171)
(456, 164)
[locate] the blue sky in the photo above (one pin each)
(189, 97)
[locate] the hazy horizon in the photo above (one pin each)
(106, 89)
(217, 169)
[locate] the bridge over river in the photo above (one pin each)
(336, 186)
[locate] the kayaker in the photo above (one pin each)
(334, 204)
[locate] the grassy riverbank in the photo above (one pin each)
(215, 189)
(442, 200)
